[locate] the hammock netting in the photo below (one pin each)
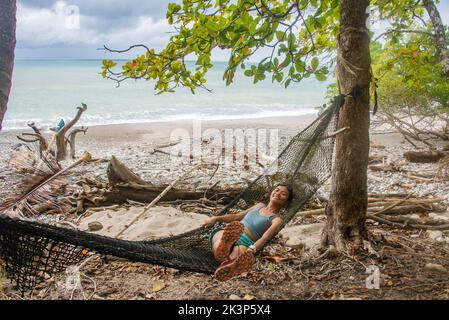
(33, 251)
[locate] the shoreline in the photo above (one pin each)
(278, 120)
(160, 130)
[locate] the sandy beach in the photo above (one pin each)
(134, 144)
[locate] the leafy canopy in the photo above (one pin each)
(301, 36)
(409, 76)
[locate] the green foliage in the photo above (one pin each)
(301, 35)
(410, 76)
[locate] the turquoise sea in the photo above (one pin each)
(44, 90)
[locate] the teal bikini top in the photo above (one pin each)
(256, 223)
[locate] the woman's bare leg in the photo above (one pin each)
(223, 241)
(237, 251)
(216, 240)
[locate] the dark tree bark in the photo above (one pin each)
(439, 35)
(346, 210)
(8, 10)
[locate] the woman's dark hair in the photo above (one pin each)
(289, 188)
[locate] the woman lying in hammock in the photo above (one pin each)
(245, 233)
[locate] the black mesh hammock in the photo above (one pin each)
(32, 251)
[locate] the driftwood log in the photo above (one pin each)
(429, 156)
(122, 193)
(124, 185)
(61, 143)
(59, 138)
(118, 173)
(71, 140)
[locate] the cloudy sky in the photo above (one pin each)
(49, 29)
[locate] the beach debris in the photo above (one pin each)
(42, 187)
(125, 186)
(435, 267)
(377, 146)
(59, 139)
(429, 156)
(376, 159)
(71, 140)
(415, 125)
(22, 159)
(118, 173)
(158, 286)
(435, 235)
(398, 210)
(94, 226)
(443, 168)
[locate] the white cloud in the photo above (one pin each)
(44, 27)
(145, 31)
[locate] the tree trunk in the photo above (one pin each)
(439, 35)
(8, 10)
(346, 210)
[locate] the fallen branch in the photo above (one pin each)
(37, 137)
(404, 225)
(71, 139)
(393, 205)
(430, 156)
(333, 134)
(61, 145)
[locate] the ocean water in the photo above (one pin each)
(44, 90)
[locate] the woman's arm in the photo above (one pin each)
(275, 225)
(231, 217)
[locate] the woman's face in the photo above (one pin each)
(280, 195)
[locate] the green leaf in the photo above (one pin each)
(291, 71)
(212, 27)
(109, 64)
(315, 63)
(249, 73)
(287, 83)
(300, 66)
(286, 61)
(280, 35)
(260, 76)
(279, 76)
(320, 77)
(291, 39)
(253, 26)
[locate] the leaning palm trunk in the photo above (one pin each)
(8, 10)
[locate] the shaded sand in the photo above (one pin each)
(158, 222)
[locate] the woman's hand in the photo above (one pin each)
(209, 222)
